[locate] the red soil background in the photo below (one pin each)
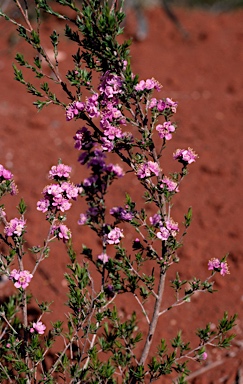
(204, 74)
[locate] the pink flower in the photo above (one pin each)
(103, 257)
(15, 227)
(203, 356)
(143, 171)
(147, 169)
(113, 132)
(73, 110)
(165, 130)
(5, 174)
(140, 86)
(169, 184)
(148, 85)
(39, 327)
(56, 197)
(110, 86)
(43, 205)
(92, 106)
(155, 219)
(114, 236)
(218, 266)
(171, 104)
(153, 167)
(21, 278)
(161, 105)
(107, 145)
(172, 226)
(213, 264)
(116, 169)
(163, 234)
(185, 156)
(224, 268)
(62, 232)
(153, 103)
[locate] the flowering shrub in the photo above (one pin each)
(121, 116)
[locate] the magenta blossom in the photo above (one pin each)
(218, 266)
(155, 219)
(73, 109)
(163, 104)
(148, 169)
(185, 156)
(38, 327)
(21, 279)
(92, 106)
(5, 174)
(165, 130)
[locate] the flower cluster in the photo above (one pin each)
(104, 105)
(165, 130)
(148, 169)
(218, 266)
(74, 109)
(148, 85)
(161, 105)
(15, 227)
(185, 156)
(21, 279)
(57, 197)
(5, 174)
(166, 229)
(7, 184)
(110, 86)
(38, 327)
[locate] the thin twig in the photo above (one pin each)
(155, 318)
(143, 309)
(6, 320)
